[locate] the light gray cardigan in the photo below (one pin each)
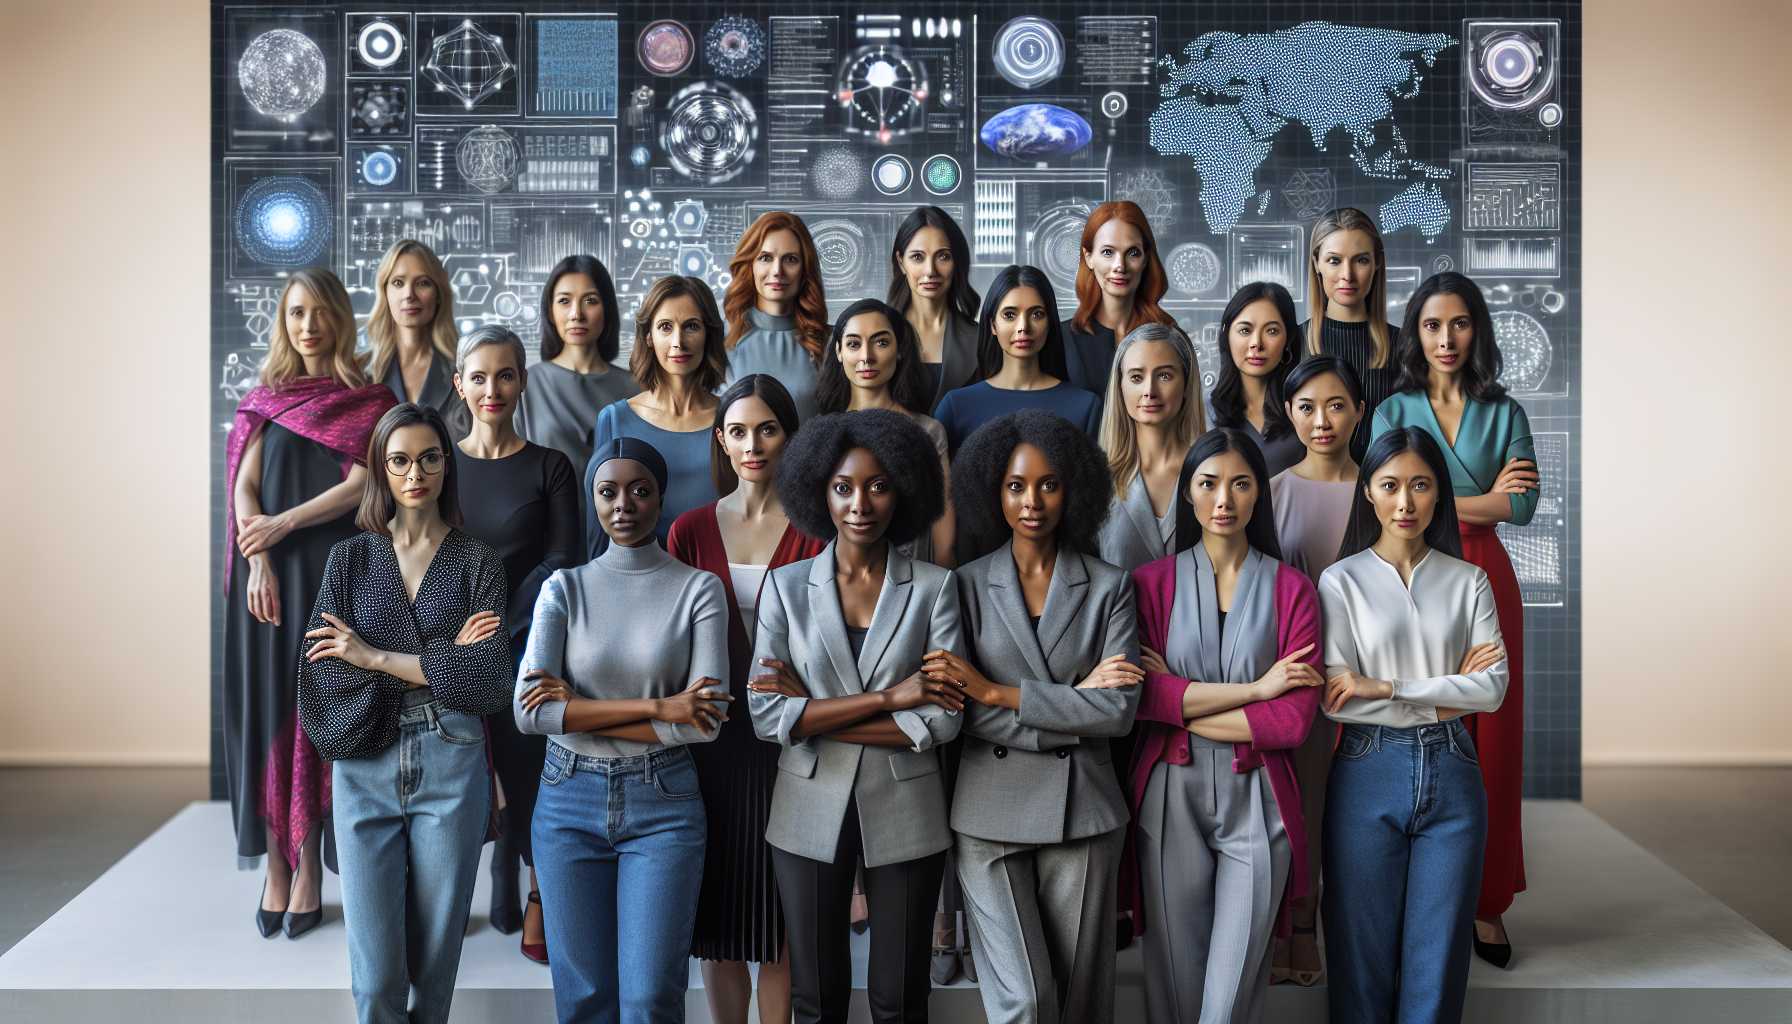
(1043, 774)
(900, 795)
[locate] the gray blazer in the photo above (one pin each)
(901, 796)
(1129, 536)
(958, 356)
(1043, 774)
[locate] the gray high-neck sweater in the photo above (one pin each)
(770, 346)
(633, 623)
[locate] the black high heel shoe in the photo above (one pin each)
(299, 924)
(507, 901)
(1499, 954)
(266, 921)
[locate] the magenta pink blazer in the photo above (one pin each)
(1277, 726)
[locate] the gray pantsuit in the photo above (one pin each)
(1206, 951)
(1037, 812)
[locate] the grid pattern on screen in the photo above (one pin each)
(649, 139)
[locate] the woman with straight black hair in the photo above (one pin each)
(930, 285)
(1449, 387)
(1230, 637)
(740, 538)
(407, 649)
(1259, 343)
(1312, 501)
(1020, 361)
(581, 336)
(1412, 645)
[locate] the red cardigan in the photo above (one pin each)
(696, 540)
(1277, 726)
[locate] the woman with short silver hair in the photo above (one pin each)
(522, 499)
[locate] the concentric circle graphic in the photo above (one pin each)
(380, 44)
(666, 47)
(283, 222)
(1193, 269)
(734, 46)
(941, 174)
(709, 132)
(840, 248)
(892, 174)
(1029, 52)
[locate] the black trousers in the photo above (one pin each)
(817, 900)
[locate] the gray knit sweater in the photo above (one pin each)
(633, 623)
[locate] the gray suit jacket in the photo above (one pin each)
(1129, 536)
(901, 796)
(1043, 774)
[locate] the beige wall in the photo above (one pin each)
(103, 631)
(1687, 224)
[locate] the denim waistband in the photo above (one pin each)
(1418, 735)
(416, 696)
(648, 763)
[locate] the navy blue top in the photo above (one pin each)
(965, 409)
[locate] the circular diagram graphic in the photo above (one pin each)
(665, 47)
(380, 44)
(469, 64)
(709, 132)
(283, 222)
(379, 168)
(1057, 242)
(1526, 348)
(883, 90)
(734, 46)
(892, 174)
(282, 73)
(1512, 70)
(487, 158)
(837, 173)
(1029, 52)
(1114, 105)
(1193, 269)
(941, 174)
(840, 248)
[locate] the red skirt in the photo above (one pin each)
(1499, 735)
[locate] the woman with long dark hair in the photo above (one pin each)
(740, 538)
(581, 336)
(1449, 387)
(776, 309)
(294, 470)
(1119, 283)
(1412, 645)
(1020, 358)
(841, 641)
(930, 285)
(1230, 638)
(1259, 344)
(407, 650)
(1037, 814)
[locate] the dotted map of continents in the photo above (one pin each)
(1231, 95)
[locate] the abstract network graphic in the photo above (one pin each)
(649, 134)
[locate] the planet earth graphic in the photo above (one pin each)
(1036, 132)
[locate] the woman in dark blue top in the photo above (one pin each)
(1020, 356)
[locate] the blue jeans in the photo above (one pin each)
(409, 823)
(1405, 822)
(619, 855)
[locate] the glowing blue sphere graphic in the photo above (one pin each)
(283, 222)
(379, 169)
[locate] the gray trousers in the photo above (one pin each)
(1213, 861)
(1042, 926)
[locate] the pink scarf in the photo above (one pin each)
(319, 409)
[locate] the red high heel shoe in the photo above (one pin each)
(536, 951)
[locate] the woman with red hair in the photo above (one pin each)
(1118, 287)
(776, 311)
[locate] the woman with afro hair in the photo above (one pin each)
(1038, 816)
(840, 642)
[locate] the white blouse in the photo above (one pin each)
(746, 580)
(1413, 637)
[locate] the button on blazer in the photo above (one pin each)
(1043, 774)
(900, 794)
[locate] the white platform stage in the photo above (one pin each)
(1607, 933)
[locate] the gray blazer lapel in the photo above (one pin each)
(1212, 639)
(1239, 618)
(892, 602)
(1010, 603)
(1139, 513)
(830, 622)
(1063, 599)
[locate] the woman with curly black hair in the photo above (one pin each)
(1260, 343)
(1020, 361)
(841, 638)
(1037, 814)
(874, 362)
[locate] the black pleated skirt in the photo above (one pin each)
(738, 917)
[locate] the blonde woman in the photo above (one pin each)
(1347, 296)
(412, 335)
(294, 472)
(1151, 416)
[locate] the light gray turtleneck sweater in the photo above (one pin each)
(770, 346)
(633, 623)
